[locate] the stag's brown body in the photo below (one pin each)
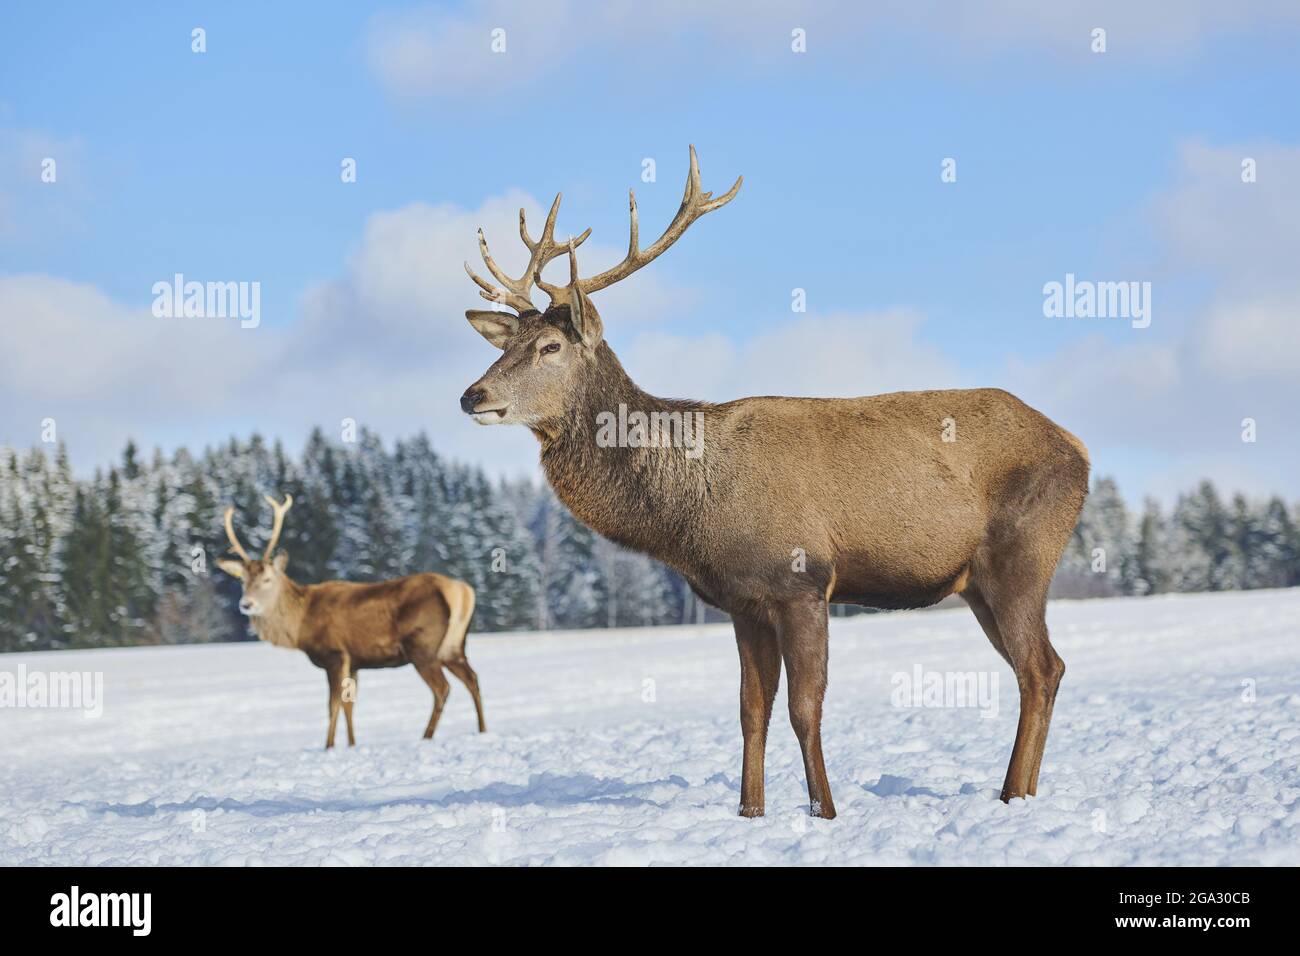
(344, 627)
(888, 501)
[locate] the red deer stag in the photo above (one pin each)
(344, 627)
(889, 501)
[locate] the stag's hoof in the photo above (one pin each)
(751, 811)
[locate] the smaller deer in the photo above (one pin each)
(343, 627)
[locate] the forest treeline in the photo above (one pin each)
(128, 556)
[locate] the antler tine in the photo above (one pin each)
(556, 292)
(507, 296)
(278, 525)
(695, 203)
(573, 291)
(235, 546)
(556, 250)
(515, 292)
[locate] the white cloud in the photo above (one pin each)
(386, 344)
(1245, 234)
(1108, 392)
(1242, 236)
(104, 371)
(840, 355)
(1253, 337)
(434, 51)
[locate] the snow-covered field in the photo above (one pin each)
(1176, 740)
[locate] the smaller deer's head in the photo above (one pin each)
(549, 355)
(263, 578)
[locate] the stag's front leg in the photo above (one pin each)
(802, 631)
(760, 673)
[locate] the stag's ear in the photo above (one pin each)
(496, 327)
(585, 318)
(234, 568)
(281, 560)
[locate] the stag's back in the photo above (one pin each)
(894, 491)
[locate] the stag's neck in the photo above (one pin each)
(647, 499)
(282, 624)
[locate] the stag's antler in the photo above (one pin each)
(278, 524)
(515, 291)
(235, 546)
(695, 203)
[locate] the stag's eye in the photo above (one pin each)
(550, 347)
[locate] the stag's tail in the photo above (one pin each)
(460, 605)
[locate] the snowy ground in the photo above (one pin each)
(624, 748)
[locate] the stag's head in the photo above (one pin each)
(264, 577)
(549, 354)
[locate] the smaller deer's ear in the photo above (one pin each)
(234, 568)
(496, 327)
(281, 560)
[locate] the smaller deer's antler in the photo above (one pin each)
(278, 524)
(235, 546)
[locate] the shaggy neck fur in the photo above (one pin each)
(647, 499)
(282, 624)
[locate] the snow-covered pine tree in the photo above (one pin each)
(1273, 561)
(1099, 559)
(1152, 573)
(1190, 560)
(569, 587)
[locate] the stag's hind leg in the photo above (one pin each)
(1012, 609)
(1018, 631)
(466, 675)
(1009, 579)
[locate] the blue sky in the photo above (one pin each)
(224, 165)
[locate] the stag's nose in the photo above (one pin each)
(472, 398)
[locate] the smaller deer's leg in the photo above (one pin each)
(760, 673)
(334, 671)
(349, 698)
(466, 675)
(802, 631)
(432, 673)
